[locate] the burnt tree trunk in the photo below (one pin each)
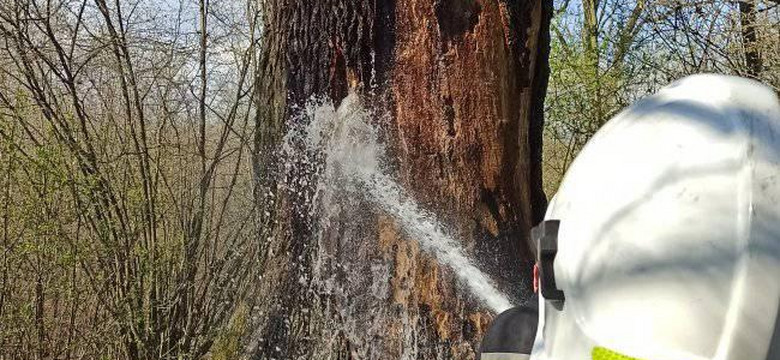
(463, 82)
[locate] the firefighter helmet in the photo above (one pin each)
(663, 241)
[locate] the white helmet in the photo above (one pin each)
(668, 240)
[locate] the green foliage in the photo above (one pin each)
(607, 54)
(115, 241)
(583, 93)
(228, 343)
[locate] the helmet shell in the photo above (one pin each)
(669, 241)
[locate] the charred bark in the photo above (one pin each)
(463, 82)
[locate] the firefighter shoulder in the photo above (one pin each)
(663, 241)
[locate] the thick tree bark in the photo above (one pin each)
(463, 82)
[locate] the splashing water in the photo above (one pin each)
(420, 225)
(350, 160)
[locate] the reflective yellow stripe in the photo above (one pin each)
(600, 353)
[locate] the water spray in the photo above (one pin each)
(351, 156)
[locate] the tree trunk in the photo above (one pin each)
(463, 84)
(747, 19)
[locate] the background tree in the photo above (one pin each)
(728, 37)
(607, 54)
(128, 222)
(594, 69)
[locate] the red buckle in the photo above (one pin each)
(536, 278)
